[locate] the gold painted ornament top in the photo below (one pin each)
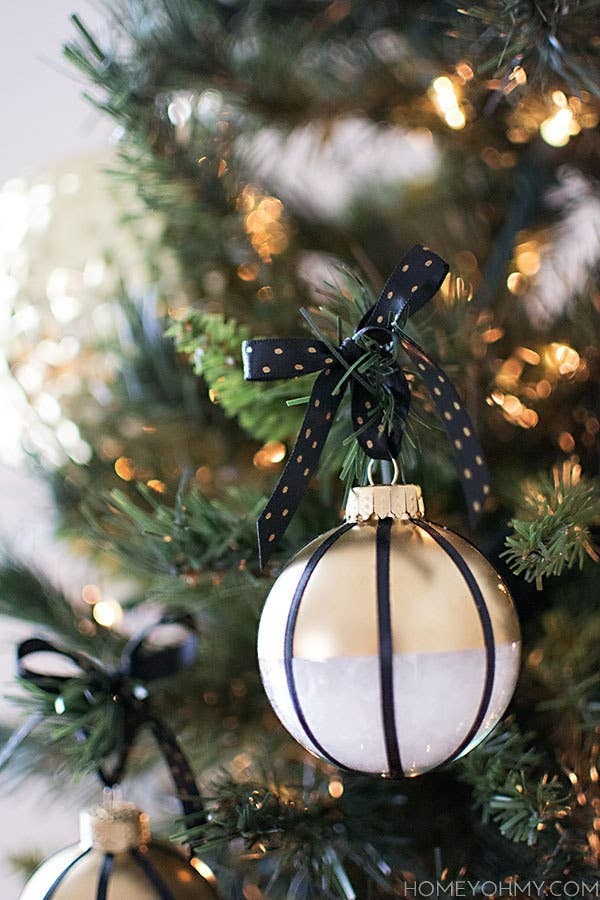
(115, 827)
(382, 501)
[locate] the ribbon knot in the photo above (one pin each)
(350, 350)
(378, 427)
(125, 685)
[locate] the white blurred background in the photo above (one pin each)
(45, 124)
(45, 120)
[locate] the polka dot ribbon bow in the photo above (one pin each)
(413, 283)
(87, 680)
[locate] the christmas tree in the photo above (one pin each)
(275, 162)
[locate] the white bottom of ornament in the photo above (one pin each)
(436, 699)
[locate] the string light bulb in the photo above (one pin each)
(561, 358)
(446, 101)
(558, 129)
(107, 613)
(269, 455)
(263, 222)
(203, 869)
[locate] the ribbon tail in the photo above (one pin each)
(181, 773)
(414, 281)
(270, 359)
(17, 738)
(302, 462)
(473, 471)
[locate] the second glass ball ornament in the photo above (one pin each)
(117, 859)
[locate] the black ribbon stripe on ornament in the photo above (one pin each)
(105, 873)
(486, 627)
(125, 685)
(106, 870)
(56, 884)
(290, 629)
(152, 874)
(413, 283)
(389, 732)
(386, 648)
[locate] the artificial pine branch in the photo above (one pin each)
(552, 533)
(83, 723)
(513, 785)
(552, 40)
(26, 862)
(193, 39)
(148, 373)
(184, 539)
(192, 169)
(27, 596)
(214, 345)
(335, 837)
(565, 658)
(563, 674)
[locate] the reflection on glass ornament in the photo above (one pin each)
(389, 645)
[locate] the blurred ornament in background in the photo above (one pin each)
(90, 385)
(61, 308)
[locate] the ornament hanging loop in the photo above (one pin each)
(395, 475)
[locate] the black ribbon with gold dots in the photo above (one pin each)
(413, 283)
(125, 685)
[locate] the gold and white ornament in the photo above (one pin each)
(117, 860)
(389, 645)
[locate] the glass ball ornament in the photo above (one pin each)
(117, 859)
(390, 644)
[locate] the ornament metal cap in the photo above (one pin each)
(383, 501)
(115, 827)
